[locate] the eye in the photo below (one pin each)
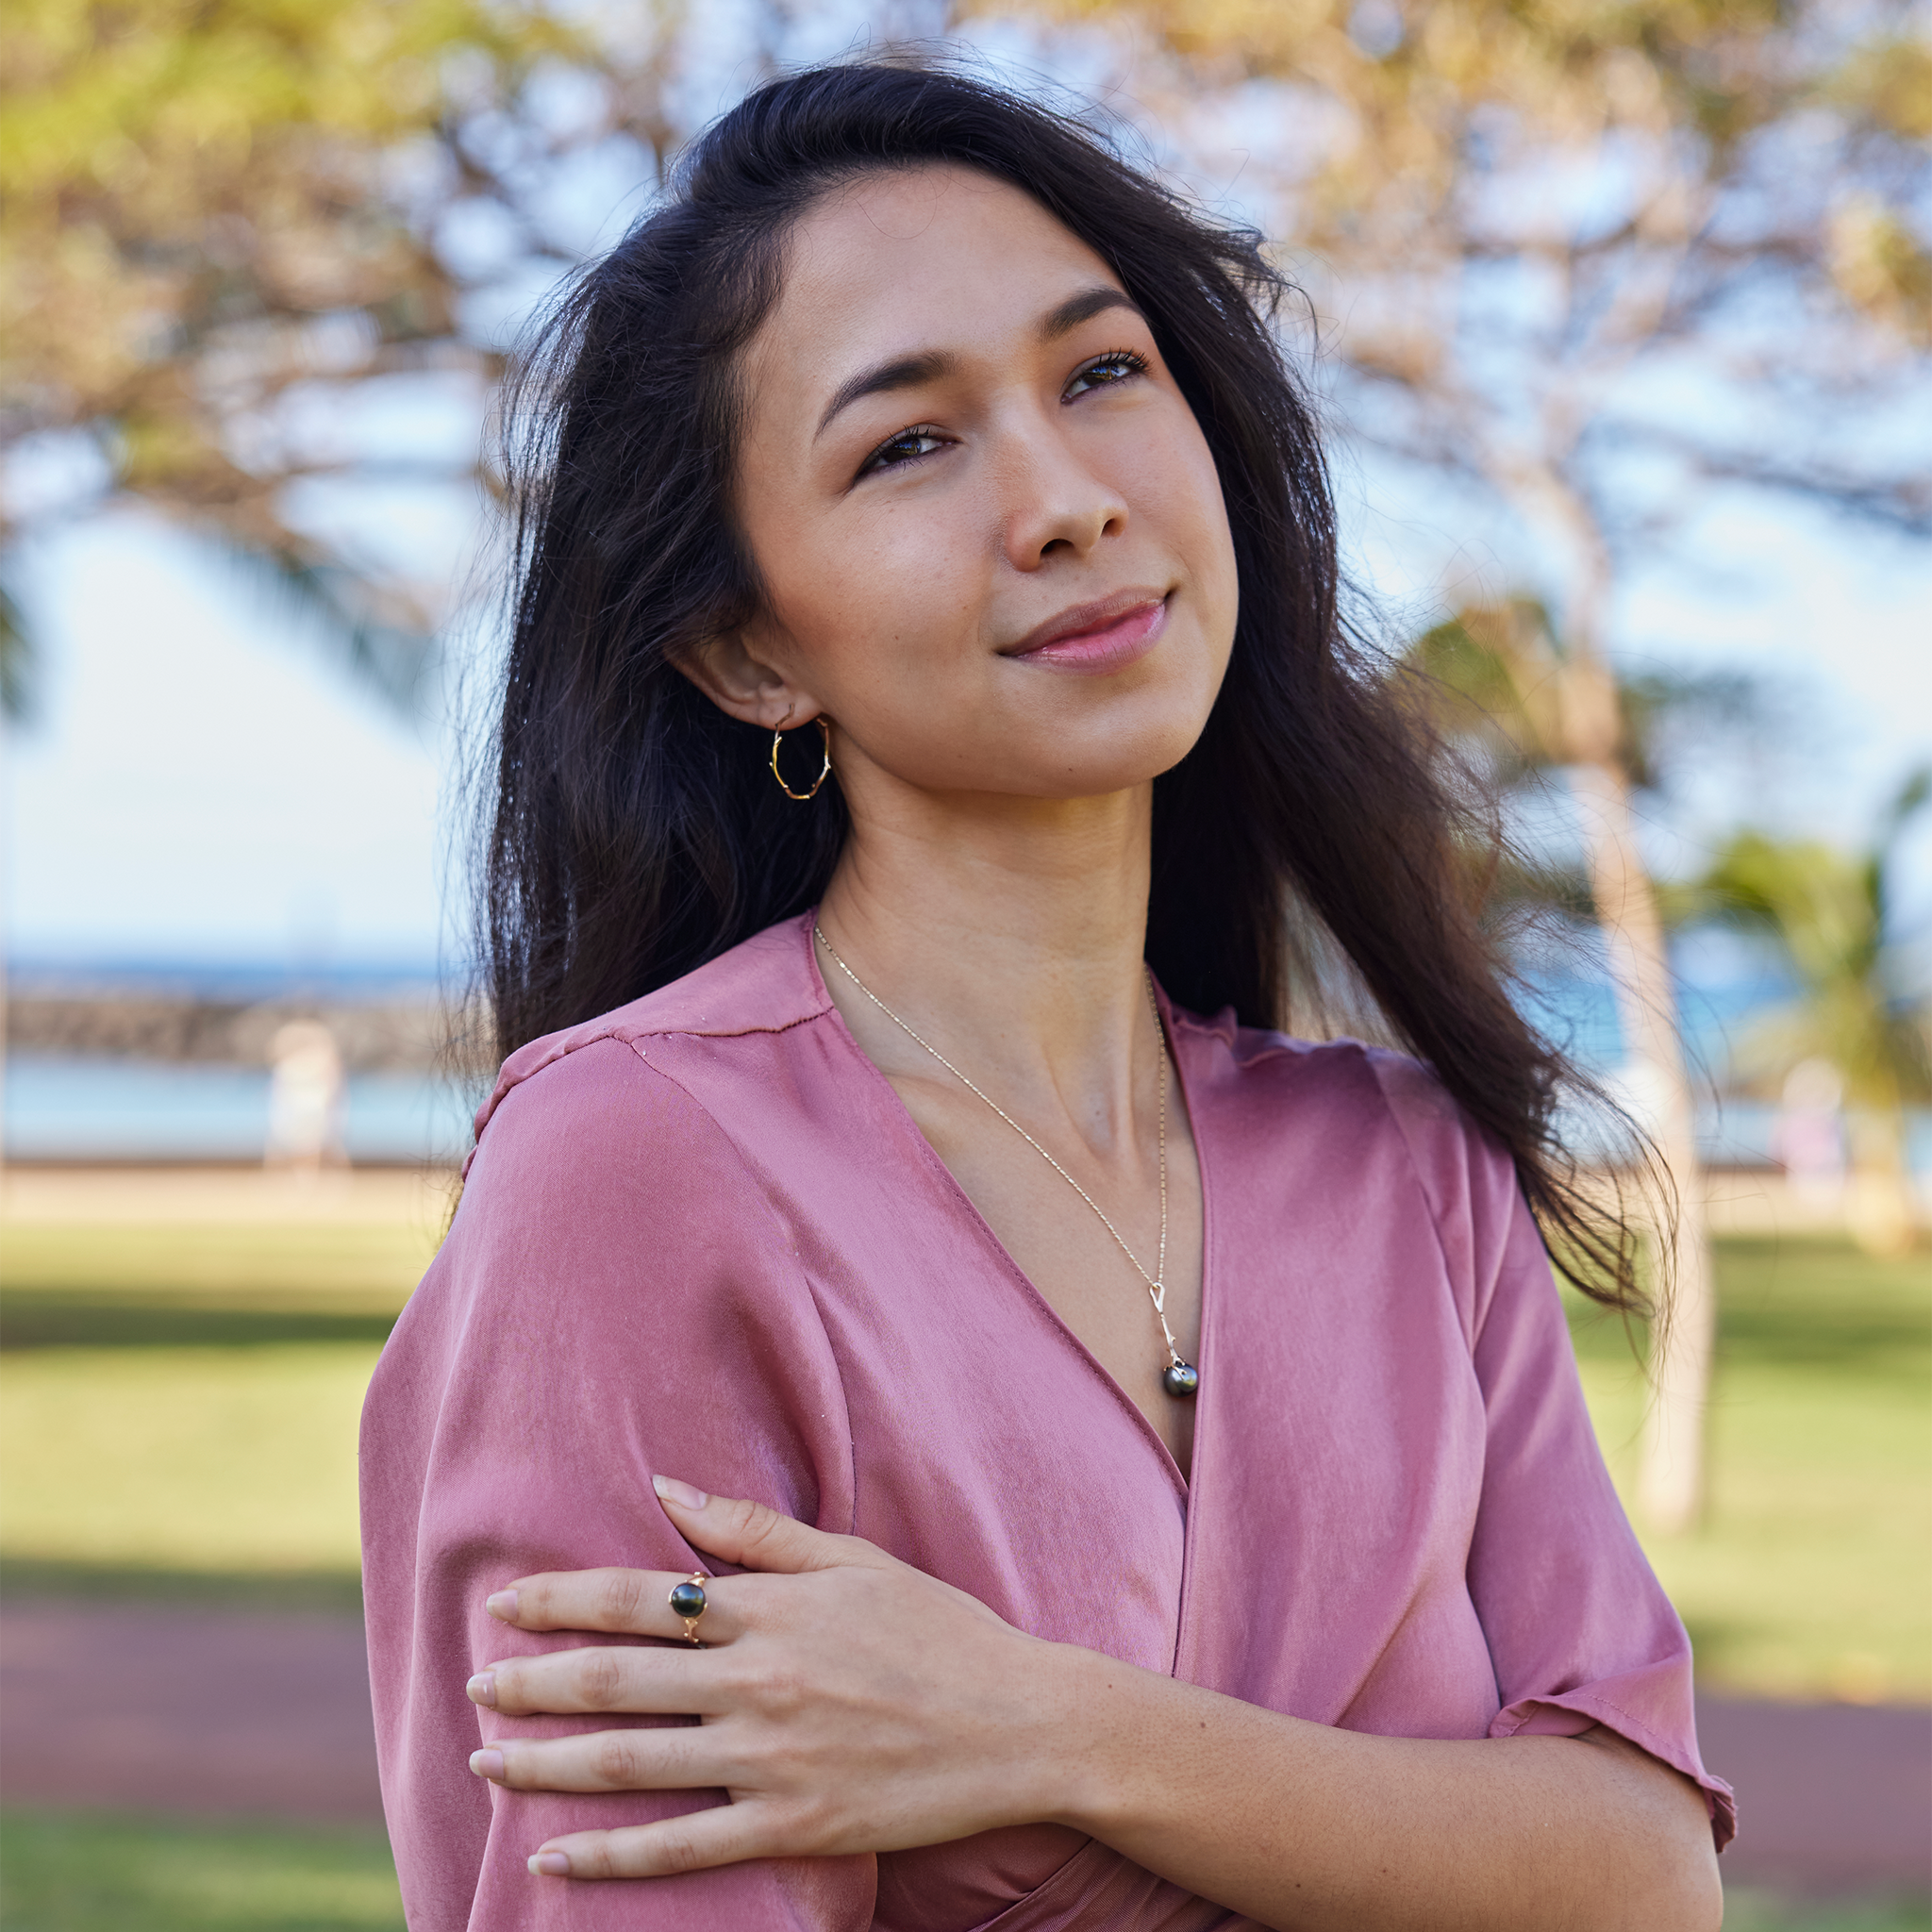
(906, 447)
(1117, 365)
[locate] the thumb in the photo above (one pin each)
(758, 1538)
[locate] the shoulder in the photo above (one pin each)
(1376, 1129)
(764, 987)
(599, 1165)
(1343, 1079)
(1339, 1101)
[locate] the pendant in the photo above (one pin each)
(1181, 1379)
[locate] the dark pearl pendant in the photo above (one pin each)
(1182, 1379)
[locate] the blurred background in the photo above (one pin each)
(1622, 322)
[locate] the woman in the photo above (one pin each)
(1087, 1463)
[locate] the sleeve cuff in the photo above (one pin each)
(1573, 1712)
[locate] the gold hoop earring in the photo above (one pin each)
(824, 770)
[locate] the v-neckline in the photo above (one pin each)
(1188, 1486)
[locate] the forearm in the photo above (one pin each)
(854, 1706)
(1303, 1827)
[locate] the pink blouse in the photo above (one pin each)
(702, 1236)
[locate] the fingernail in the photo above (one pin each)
(481, 1688)
(681, 1493)
(550, 1865)
(486, 1764)
(502, 1605)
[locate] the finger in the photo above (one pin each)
(721, 1835)
(659, 1757)
(758, 1538)
(567, 1682)
(631, 1603)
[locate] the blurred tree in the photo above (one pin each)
(1539, 707)
(207, 206)
(1511, 207)
(1830, 912)
(1581, 260)
(223, 221)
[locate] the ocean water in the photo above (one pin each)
(60, 1107)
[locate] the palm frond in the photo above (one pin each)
(17, 661)
(380, 648)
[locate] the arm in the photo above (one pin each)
(1336, 1828)
(929, 1719)
(614, 1294)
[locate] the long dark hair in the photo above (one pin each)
(636, 832)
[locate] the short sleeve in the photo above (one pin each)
(616, 1298)
(1579, 1630)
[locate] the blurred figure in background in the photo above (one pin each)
(1809, 1138)
(306, 1101)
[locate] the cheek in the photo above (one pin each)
(903, 578)
(1184, 494)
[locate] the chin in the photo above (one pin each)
(1064, 770)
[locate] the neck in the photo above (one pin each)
(1010, 933)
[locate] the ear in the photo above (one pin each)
(739, 680)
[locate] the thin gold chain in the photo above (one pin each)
(1157, 1283)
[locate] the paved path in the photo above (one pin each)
(180, 1709)
(177, 1707)
(1831, 1798)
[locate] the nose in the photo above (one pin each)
(1055, 503)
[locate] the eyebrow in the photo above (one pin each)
(913, 372)
(1083, 307)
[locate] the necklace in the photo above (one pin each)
(1179, 1378)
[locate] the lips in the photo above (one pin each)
(1103, 635)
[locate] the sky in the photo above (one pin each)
(201, 783)
(204, 784)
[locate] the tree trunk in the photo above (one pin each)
(1671, 1489)
(1880, 1209)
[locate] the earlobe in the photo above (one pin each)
(743, 684)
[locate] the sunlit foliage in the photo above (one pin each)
(207, 203)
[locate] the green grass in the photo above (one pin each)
(275, 1263)
(83, 1872)
(183, 1459)
(177, 1416)
(68, 1872)
(1748, 1911)
(1811, 1576)
(176, 1285)
(178, 1409)
(328, 1587)
(178, 1403)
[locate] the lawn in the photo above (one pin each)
(177, 1414)
(208, 1281)
(1812, 1573)
(200, 1459)
(73, 1873)
(66, 1872)
(179, 1402)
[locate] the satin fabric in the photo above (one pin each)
(702, 1236)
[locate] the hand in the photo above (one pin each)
(848, 1703)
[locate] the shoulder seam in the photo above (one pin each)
(627, 1034)
(624, 1037)
(715, 1032)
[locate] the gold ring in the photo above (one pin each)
(688, 1603)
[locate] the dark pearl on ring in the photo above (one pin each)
(1182, 1379)
(687, 1600)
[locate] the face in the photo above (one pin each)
(987, 526)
